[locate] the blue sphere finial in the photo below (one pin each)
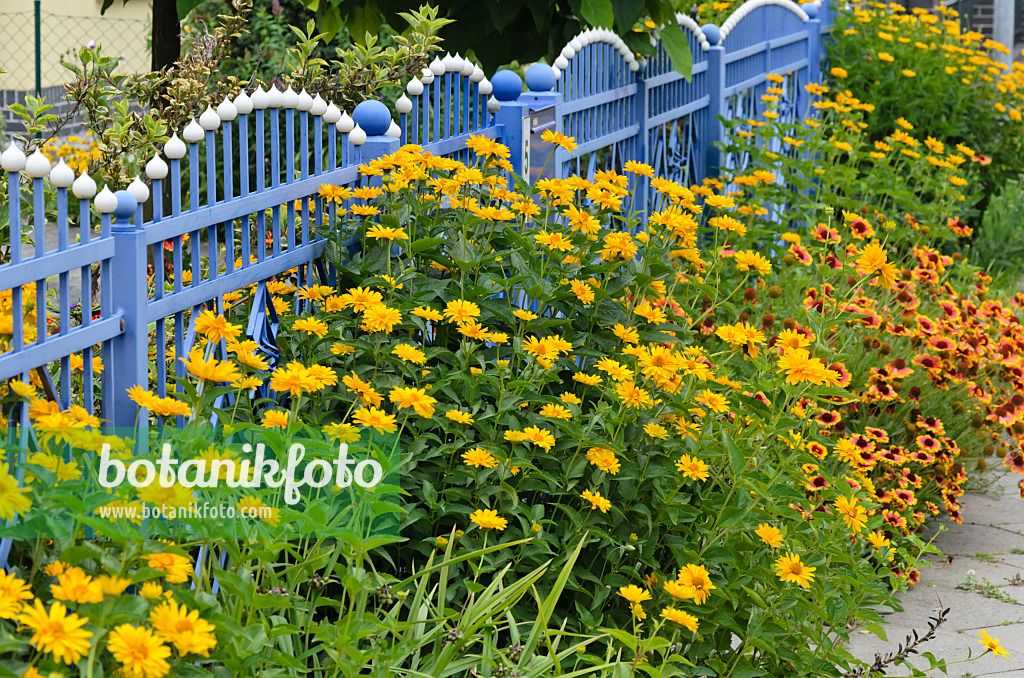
(373, 117)
(126, 205)
(712, 33)
(506, 86)
(540, 78)
(811, 9)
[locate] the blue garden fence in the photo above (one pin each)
(259, 215)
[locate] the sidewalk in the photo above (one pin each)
(990, 542)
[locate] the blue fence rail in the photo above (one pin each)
(143, 282)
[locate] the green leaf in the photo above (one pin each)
(598, 13)
(186, 6)
(626, 13)
(678, 48)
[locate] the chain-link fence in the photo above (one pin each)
(60, 38)
(32, 60)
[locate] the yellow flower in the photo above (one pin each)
(559, 139)
(630, 335)
(375, 418)
(799, 366)
(214, 327)
(415, 398)
(311, 326)
(380, 318)
(57, 632)
(13, 499)
(524, 315)
(479, 457)
(140, 653)
(769, 535)
(992, 644)
(428, 314)
(459, 417)
(854, 514)
(790, 569)
(210, 369)
(634, 593)
(409, 353)
(13, 592)
(461, 312)
(838, 72)
(555, 412)
(713, 401)
(488, 519)
(747, 259)
(692, 467)
(695, 580)
(596, 501)
(177, 625)
(177, 568)
(603, 459)
(113, 586)
(680, 617)
(656, 430)
(152, 590)
(274, 419)
(75, 586)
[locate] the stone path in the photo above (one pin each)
(980, 587)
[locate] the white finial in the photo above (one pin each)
(493, 105)
(394, 130)
(193, 133)
(38, 165)
(289, 99)
(84, 187)
(568, 52)
(449, 63)
(404, 104)
(260, 100)
(477, 75)
(332, 114)
(275, 97)
(105, 202)
(175, 148)
(414, 88)
(357, 137)
(437, 66)
(243, 104)
(576, 44)
(319, 106)
(62, 176)
(226, 111)
(558, 73)
(426, 76)
(634, 66)
(304, 102)
(156, 168)
(139, 190)
(345, 123)
(467, 68)
(457, 63)
(209, 120)
(12, 160)
(561, 62)
(485, 87)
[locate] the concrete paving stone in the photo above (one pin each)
(993, 527)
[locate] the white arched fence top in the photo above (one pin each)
(689, 24)
(591, 36)
(748, 7)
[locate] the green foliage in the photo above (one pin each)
(499, 33)
(998, 244)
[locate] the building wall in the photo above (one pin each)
(65, 26)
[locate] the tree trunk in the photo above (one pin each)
(166, 29)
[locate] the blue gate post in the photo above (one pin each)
(804, 97)
(513, 119)
(128, 277)
(374, 118)
(642, 112)
(716, 104)
(540, 95)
